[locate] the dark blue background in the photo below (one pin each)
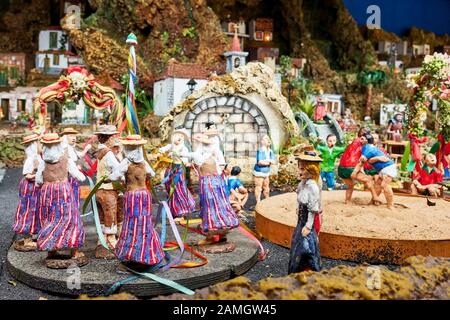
(400, 15)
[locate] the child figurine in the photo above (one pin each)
(238, 194)
(216, 212)
(426, 179)
(265, 158)
(181, 201)
(27, 214)
(138, 242)
(61, 224)
(69, 137)
(386, 168)
(107, 195)
(329, 153)
(305, 252)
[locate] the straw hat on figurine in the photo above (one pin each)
(69, 131)
(183, 132)
(307, 154)
(30, 138)
(106, 129)
(133, 140)
(51, 138)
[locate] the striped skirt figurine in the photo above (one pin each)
(138, 241)
(216, 211)
(27, 214)
(76, 190)
(182, 202)
(62, 226)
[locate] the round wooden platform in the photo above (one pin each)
(99, 275)
(349, 233)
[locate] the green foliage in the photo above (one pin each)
(349, 137)
(189, 32)
(306, 106)
(165, 38)
(372, 77)
(91, 21)
(285, 66)
(303, 87)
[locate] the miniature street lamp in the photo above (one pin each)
(191, 85)
(290, 88)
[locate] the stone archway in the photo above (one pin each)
(240, 121)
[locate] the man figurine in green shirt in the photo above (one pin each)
(329, 153)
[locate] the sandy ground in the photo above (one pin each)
(412, 218)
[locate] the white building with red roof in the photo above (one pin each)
(172, 86)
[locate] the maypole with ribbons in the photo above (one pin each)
(130, 110)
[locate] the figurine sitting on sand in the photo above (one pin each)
(427, 177)
(238, 194)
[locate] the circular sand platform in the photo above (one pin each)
(99, 275)
(361, 232)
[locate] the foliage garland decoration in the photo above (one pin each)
(432, 82)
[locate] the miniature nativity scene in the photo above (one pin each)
(242, 156)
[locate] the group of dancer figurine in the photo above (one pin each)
(49, 215)
(49, 207)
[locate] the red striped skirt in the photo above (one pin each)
(138, 241)
(26, 219)
(182, 202)
(215, 207)
(62, 226)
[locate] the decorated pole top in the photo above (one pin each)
(132, 39)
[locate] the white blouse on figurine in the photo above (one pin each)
(52, 155)
(177, 150)
(132, 155)
(120, 171)
(308, 193)
(31, 152)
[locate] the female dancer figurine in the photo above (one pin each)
(69, 137)
(27, 214)
(216, 212)
(181, 201)
(138, 242)
(62, 226)
(305, 253)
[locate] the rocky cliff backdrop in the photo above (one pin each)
(323, 32)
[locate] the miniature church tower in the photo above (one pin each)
(235, 57)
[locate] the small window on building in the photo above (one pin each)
(56, 59)
(21, 103)
(53, 43)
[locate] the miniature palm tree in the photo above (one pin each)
(369, 79)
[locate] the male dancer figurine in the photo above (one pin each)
(106, 195)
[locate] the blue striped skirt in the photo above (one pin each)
(182, 202)
(62, 226)
(26, 219)
(215, 208)
(138, 241)
(76, 190)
